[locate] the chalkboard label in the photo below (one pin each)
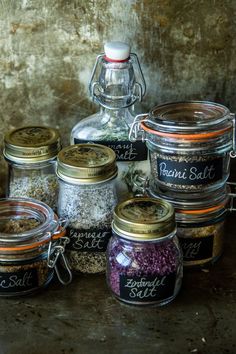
(125, 150)
(190, 173)
(92, 240)
(22, 280)
(198, 248)
(147, 288)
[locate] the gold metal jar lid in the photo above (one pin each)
(86, 163)
(144, 219)
(32, 144)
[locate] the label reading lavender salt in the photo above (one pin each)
(195, 249)
(187, 173)
(125, 150)
(22, 280)
(147, 288)
(92, 240)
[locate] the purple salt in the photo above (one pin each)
(140, 260)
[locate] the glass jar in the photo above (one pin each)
(31, 240)
(144, 260)
(87, 197)
(117, 83)
(31, 155)
(189, 145)
(200, 223)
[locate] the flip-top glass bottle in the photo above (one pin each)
(116, 84)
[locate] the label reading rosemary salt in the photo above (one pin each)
(197, 248)
(148, 288)
(187, 173)
(22, 280)
(92, 240)
(125, 150)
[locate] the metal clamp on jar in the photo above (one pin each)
(189, 143)
(123, 70)
(30, 237)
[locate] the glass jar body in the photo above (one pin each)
(201, 242)
(111, 128)
(88, 209)
(144, 273)
(34, 180)
(190, 167)
(24, 276)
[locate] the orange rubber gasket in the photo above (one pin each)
(35, 244)
(190, 137)
(201, 211)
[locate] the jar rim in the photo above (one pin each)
(12, 208)
(208, 205)
(191, 120)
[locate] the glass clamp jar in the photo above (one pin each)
(189, 143)
(87, 196)
(200, 223)
(31, 155)
(144, 260)
(30, 237)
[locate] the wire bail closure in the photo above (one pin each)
(58, 251)
(138, 91)
(233, 152)
(232, 197)
(136, 132)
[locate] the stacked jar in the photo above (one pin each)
(190, 145)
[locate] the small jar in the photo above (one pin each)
(30, 243)
(31, 155)
(200, 224)
(87, 197)
(189, 145)
(144, 260)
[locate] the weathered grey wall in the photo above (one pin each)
(48, 48)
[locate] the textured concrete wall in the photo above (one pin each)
(48, 48)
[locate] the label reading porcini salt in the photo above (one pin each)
(190, 173)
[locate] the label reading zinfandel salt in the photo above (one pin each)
(147, 288)
(92, 240)
(190, 173)
(124, 150)
(19, 281)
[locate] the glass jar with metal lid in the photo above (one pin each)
(31, 240)
(31, 155)
(200, 223)
(190, 144)
(144, 260)
(87, 197)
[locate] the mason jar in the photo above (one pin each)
(144, 260)
(31, 241)
(189, 145)
(31, 155)
(87, 197)
(200, 223)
